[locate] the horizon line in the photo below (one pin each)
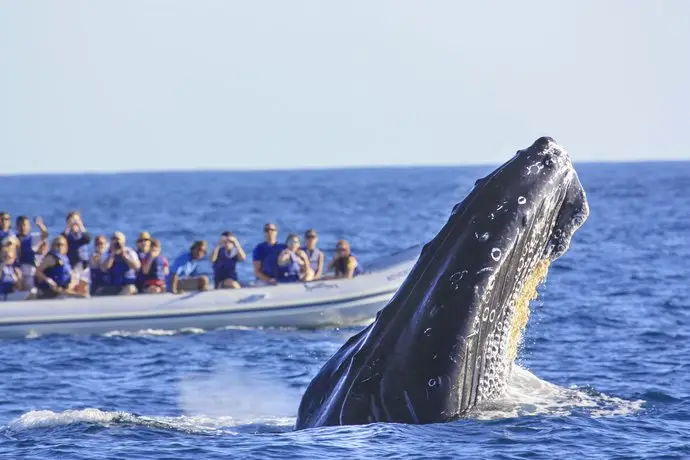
(314, 168)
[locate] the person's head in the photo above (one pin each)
(144, 241)
(8, 252)
(342, 248)
(23, 225)
(59, 245)
(293, 242)
(310, 238)
(118, 240)
(73, 220)
(226, 240)
(271, 232)
(198, 249)
(156, 244)
(5, 221)
(100, 243)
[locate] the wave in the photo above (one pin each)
(154, 332)
(527, 395)
(42, 419)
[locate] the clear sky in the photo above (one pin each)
(169, 84)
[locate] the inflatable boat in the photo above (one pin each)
(302, 305)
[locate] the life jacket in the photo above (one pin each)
(120, 274)
(313, 258)
(61, 272)
(7, 279)
(225, 266)
(99, 278)
(74, 244)
(289, 273)
(26, 251)
(157, 271)
(341, 266)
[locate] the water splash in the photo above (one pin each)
(528, 395)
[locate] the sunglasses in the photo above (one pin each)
(59, 245)
(101, 243)
(340, 249)
(294, 241)
(311, 237)
(270, 229)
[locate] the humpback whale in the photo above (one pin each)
(447, 339)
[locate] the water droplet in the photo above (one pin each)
(496, 254)
(427, 331)
(432, 382)
(522, 200)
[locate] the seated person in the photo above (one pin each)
(265, 255)
(143, 249)
(99, 277)
(224, 258)
(31, 248)
(54, 273)
(5, 225)
(344, 263)
(121, 264)
(184, 273)
(11, 279)
(154, 270)
(293, 263)
(314, 255)
(77, 237)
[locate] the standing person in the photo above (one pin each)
(265, 255)
(121, 263)
(77, 238)
(54, 273)
(224, 259)
(143, 249)
(344, 263)
(99, 278)
(31, 248)
(154, 270)
(293, 263)
(314, 254)
(185, 274)
(11, 279)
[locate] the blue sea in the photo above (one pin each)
(604, 371)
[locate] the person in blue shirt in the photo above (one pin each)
(184, 272)
(265, 255)
(224, 259)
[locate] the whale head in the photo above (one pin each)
(447, 340)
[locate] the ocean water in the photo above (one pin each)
(603, 371)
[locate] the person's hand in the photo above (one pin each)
(38, 220)
(233, 240)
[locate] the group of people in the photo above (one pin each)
(64, 266)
